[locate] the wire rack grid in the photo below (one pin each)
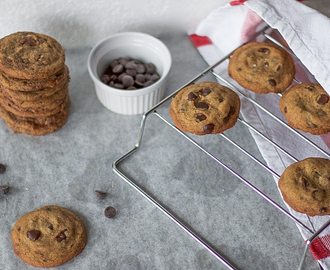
(312, 232)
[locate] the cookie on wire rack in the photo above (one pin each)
(306, 107)
(305, 186)
(262, 67)
(205, 108)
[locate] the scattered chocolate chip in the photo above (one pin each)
(2, 168)
(192, 96)
(201, 117)
(264, 50)
(208, 128)
(278, 68)
(272, 82)
(323, 99)
(206, 91)
(34, 234)
(266, 64)
(100, 194)
(4, 189)
(61, 236)
(110, 212)
(51, 227)
(202, 105)
(285, 109)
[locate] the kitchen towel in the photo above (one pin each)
(305, 30)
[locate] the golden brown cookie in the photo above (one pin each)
(28, 55)
(306, 107)
(53, 106)
(205, 108)
(262, 67)
(36, 126)
(305, 186)
(49, 236)
(24, 85)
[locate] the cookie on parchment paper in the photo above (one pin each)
(49, 236)
(262, 67)
(205, 108)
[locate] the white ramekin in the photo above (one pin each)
(132, 45)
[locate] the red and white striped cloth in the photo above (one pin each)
(306, 31)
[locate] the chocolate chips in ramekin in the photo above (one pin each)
(130, 74)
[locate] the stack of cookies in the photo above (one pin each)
(34, 96)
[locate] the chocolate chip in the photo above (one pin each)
(266, 64)
(206, 91)
(4, 189)
(105, 78)
(323, 99)
(304, 182)
(264, 50)
(127, 81)
(272, 82)
(100, 194)
(118, 68)
(61, 236)
(278, 68)
(285, 109)
(142, 74)
(34, 234)
(51, 227)
(150, 68)
(2, 168)
(323, 210)
(310, 87)
(202, 105)
(192, 96)
(208, 128)
(226, 119)
(140, 68)
(110, 212)
(201, 117)
(231, 111)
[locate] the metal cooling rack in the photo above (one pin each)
(314, 233)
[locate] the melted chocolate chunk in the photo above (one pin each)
(272, 82)
(208, 128)
(201, 117)
(206, 91)
(191, 96)
(323, 99)
(310, 87)
(202, 105)
(263, 50)
(34, 234)
(61, 236)
(323, 210)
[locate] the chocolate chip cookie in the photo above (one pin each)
(205, 108)
(28, 55)
(262, 67)
(306, 107)
(305, 186)
(49, 236)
